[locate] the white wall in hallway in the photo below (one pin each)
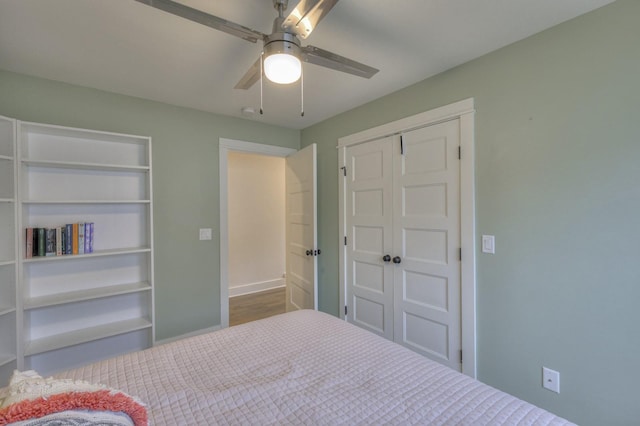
(256, 218)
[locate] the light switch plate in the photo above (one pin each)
(489, 244)
(205, 234)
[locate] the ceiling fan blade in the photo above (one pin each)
(306, 15)
(327, 59)
(203, 18)
(251, 76)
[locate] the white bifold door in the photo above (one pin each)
(403, 239)
(301, 241)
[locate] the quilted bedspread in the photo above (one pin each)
(299, 368)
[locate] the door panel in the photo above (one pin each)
(405, 203)
(427, 234)
(369, 219)
(301, 278)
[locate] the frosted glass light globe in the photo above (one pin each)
(282, 68)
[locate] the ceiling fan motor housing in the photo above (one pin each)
(282, 42)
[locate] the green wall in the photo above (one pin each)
(185, 181)
(558, 184)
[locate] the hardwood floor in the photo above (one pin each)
(256, 306)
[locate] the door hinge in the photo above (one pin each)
(345, 240)
(459, 153)
(345, 310)
(460, 254)
(344, 170)
(401, 145)
(460, 356)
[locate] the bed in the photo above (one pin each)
(303, 367)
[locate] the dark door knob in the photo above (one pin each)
(397, 260)
(386, 258)
(309, 252)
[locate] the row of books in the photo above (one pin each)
(69, 239)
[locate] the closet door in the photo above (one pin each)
(369, 211)
(426, 241)
(403, 239)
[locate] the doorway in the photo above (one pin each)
(236, 282)
(256, 226)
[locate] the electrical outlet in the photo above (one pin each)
(550, 379)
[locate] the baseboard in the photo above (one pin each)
(192, 334)
(242, 290)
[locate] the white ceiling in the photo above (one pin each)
(126, 47)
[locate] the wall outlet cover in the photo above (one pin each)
(551, 379)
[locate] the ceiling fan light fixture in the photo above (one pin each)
(282, 63)
(282, 68)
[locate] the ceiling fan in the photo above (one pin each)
(282, 51)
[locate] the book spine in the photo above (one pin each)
(74, 239)
(42, 242)
(87, 236)
(29, 244)
(68, 238)
(35, 242)
(63, 240)
(58, 241)
(91, 237)
(80, 238)
(51, 242)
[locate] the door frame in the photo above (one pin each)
(464, 111)
(227, 145)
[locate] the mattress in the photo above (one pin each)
(303, 367)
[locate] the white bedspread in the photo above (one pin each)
(299, 368)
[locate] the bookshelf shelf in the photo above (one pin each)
(97, 253)
(4, 310)
(84, 166)
(6, 157)
(7, 262)
(6, 359)
(7, 200)
(82, 295)
(84, 335)
(69, 176)
(86, 202)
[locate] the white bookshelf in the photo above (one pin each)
(77, 309)
(8, 250)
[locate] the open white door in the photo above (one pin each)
(301, 217)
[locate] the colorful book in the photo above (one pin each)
(74, 238)
(87, 236)
(35, 242)
(50, 245)
(42, 242)
(68, 228)
(63, 240)
(90, 237)
(58, 241)
(29, 243)
(81, 238)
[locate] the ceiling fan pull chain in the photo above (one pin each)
(301, 92)
(261, 60)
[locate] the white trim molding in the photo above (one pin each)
(244, 289)
(464, 111)
(428, 118)
(226, 145)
